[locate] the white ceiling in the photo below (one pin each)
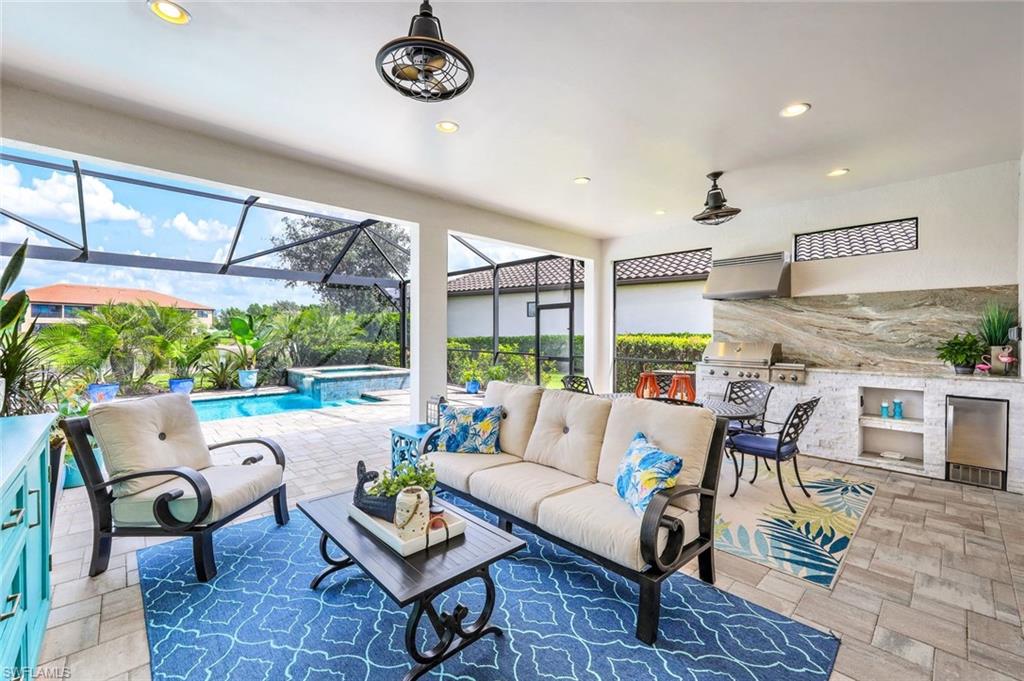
(644, 98)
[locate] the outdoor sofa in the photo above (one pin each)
(555, 476)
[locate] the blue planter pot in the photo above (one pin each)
(472, 387)
(181, 385)
(72, 476)
(247, 378)
(102, 392)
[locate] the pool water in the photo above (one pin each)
(261, 405)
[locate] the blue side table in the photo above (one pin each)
(405, 442)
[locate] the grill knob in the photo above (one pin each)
(725, 373)
(711, 372)
(757, 375)
(792, 377)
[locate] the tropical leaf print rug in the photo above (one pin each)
(809, 544)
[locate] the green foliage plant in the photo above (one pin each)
(996, 322)
(962, 351)
(405, 474)
(12, 309)
(250, 335)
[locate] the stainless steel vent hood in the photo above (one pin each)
(752, 276)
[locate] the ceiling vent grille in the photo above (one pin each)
(843, 242)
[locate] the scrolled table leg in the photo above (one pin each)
(333, 564)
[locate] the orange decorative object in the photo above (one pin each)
(682, 388)
(647, 387)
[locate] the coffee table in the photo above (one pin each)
(420, 578)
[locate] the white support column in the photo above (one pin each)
(598, 333)
(428, 316)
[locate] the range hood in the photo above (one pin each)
(752, 276)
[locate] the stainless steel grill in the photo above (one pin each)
(757, 360)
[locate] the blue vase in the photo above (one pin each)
(472, 387)
(181, 385)
(897, 409)
(884, 411)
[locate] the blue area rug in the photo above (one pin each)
(565, 619)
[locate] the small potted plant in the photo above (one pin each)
(379, 499)
(64, 471)
(471, 377)
(963, 352)
(996, 322)
(249, 343)
(187, 356)
(496, 372)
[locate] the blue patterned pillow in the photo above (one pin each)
(471, 430)
(644, 471)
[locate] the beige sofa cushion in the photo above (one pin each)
(683, 431)
(520, 403)
(519, 488)
(596, 519)
(233, 488)
(153, 432)
(454, 469)
(568, 433)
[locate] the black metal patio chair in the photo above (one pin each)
(781, 445)
(577, 384)
(749, 393)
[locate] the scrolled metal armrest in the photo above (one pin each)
(428, 443)
(162, 504)
(269, 444)
(655, 519)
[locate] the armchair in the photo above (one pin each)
(163, 480)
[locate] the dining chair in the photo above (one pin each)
(577, 384)
(780, 445)
(749, 393)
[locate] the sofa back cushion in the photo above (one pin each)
(568, 433)
(683, 431)
(153, 432)
(520, 403)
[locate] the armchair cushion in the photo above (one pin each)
(683, 431)
(520, 403)
(143, 434)
(568, 433)
(596, 519)
(232, 487)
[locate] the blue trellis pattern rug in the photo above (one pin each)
(564, 618)
(810, 544)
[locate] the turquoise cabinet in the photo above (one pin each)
(24, 541)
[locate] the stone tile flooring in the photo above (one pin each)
(932, 587)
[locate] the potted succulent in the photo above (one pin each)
(471, 377)
(379, 499)
(996, 322)
(963, 352)
(249, 344)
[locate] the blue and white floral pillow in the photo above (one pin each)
(471, 430)
(644, 471)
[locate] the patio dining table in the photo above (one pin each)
(729, 410)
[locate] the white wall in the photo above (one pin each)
(663, 308)
(473, 315)
(84, 130)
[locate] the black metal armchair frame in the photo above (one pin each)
(101, 498)
(788, 434)
(679, 549)
(577, 384)
(750, 393)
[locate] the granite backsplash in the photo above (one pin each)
(891, 331)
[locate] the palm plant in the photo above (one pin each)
(186, 354)
(251, 333)
(220, 370)
(167, 330)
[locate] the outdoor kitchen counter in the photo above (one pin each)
(835, 431)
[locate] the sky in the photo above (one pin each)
(127, 218)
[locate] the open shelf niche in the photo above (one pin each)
(904, 436)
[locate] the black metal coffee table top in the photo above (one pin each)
(405, 579)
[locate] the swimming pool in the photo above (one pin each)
(341, 382)
(260, 405)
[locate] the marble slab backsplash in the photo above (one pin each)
(891, 331)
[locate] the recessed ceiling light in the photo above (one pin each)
(582, 179)
(838, 172)
(447, 127)
(794, 110)
(659, 212)
(171, 12)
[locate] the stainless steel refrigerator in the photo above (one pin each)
(976, 440)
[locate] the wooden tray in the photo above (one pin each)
(388, 533)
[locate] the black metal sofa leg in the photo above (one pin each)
(281, 506)
(202, 555)
(706, 565)
(648, 612)
(100, 554)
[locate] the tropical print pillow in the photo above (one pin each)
(471, 430)
(644, 471)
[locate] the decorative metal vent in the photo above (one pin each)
(667, 267)
(878, 237)
(974, 475)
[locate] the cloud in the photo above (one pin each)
(56, 198)
(201, 230)
(15, 232)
